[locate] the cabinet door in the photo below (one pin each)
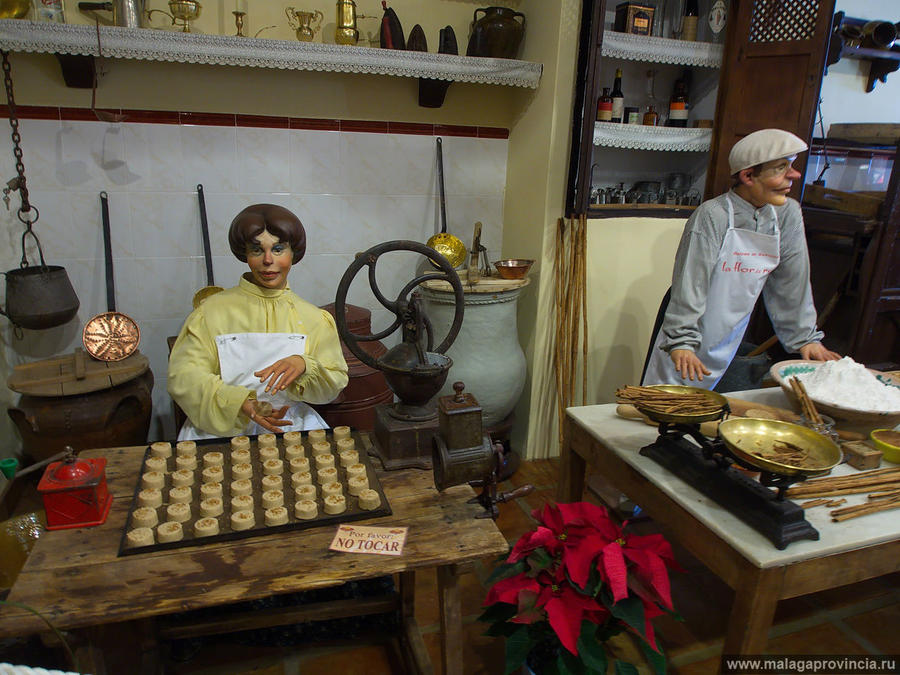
(771, 73)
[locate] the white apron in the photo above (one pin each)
(745, 260)
(241, 355)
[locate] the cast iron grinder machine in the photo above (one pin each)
(414, 369)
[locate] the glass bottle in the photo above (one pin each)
(689, 21)
(604, 106)
(618, 99)
(716, 20)
(651, 117)
(678, 113)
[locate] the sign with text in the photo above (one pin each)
(362, 539)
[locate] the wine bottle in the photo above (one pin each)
(716, 19)
(618, 98)
(689, 21)
(678, 114)
(604, 106)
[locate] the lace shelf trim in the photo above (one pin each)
(639, 137)
(227, 50)
(661, 50)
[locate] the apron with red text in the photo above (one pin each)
(241, 355)
(745, 260)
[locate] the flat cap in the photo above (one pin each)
(763, 146)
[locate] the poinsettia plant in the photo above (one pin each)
(573, 583)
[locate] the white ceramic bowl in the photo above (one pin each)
(782, 371)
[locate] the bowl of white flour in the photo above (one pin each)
(844, 389)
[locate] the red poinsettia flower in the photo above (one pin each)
(576, 533)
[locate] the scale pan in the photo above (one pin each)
(714, 397)
(757, 442)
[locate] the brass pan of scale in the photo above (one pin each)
(713, 406)
(779, 447)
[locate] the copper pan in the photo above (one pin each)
(110, 336)
(210, 288)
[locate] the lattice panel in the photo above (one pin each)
(783, 20)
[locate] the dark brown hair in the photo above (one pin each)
(259, 218)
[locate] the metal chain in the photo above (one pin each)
(19, 182)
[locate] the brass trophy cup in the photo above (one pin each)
(306, 24)
(184, 11)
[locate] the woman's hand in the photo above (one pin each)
(282, 373)
(687, 363)
(273, 421)
(816, 351)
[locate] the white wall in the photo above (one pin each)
(844, 97)
(351, 190)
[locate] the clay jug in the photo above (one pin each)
(497, 34)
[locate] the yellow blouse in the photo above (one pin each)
(194, 377)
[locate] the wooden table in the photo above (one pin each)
(75, 578)
(760, 574)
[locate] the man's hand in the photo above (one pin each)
(815, 351)
(273, 421)
(687, 363)
(282, 373)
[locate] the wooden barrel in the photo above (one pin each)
(367, 388)
(111, 410)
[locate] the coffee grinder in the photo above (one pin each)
(415, 370)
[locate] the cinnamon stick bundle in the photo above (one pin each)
(807, 407)
(858, 510)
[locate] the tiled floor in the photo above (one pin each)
(856, 619)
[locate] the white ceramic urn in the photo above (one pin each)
(486, 354)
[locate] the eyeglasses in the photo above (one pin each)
(780, 168)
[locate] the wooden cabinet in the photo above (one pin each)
(605, 154)
(771, 70)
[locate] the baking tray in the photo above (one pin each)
(353, 512)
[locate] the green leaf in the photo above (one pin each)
(501, 629)
(631, 611)
(568, 664)
(504, 571)
(623, 668)
(499, 611)
(594, 583)
(656, 659)
(539, 559)
(590, 649)
(517, 647)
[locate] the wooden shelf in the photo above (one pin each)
(661, 50)
(639, 210)
(81, 41)
(882, 62)
(640, 137)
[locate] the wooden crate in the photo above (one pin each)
(850, 202)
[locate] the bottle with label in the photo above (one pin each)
(618, 98)
(651, 117)
(604, 106)
(49, 10)
(678, 113)
(716, 19)
(689, 21)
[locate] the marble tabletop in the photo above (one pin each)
(626, 437)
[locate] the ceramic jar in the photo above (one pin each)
(497, 34)
(486, 354)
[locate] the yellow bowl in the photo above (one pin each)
(888, 441)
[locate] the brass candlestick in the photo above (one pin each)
(239, 23)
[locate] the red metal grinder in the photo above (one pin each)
(75, 493)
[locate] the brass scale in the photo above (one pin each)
(708, 464)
